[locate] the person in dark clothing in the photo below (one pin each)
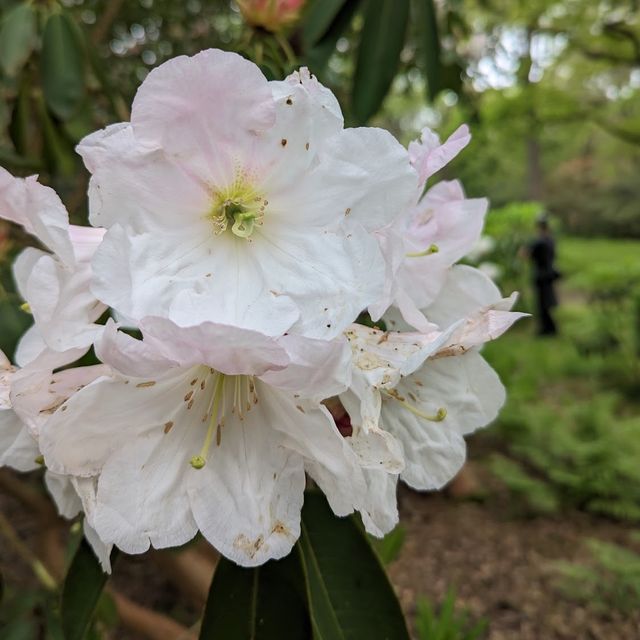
(542, 252)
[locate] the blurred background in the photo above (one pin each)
(538, 537)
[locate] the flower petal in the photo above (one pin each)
(197, 107)
(247, 498)
(18, 449)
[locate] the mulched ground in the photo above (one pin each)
(500, 568)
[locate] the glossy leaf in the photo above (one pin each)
(17, 37)
(349, 594)
(81, 592)
(57, 152)
(318, 18)
(383, 34)
(431, 48)
(63, 78)
(317, 57)
(263, 603)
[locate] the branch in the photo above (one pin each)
(105, 21)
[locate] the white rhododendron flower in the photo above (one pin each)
(200, 428)
(232, 199)
(54, 285)
(239, 232)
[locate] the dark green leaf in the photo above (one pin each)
(431, 48)
(385, 26)
(81, 592)
(17, 37)
(350, 597)
(57, 152)
(265, 603)
(318, 18)
(317, 57)
(389, 547)
(63, 78)
(21, 121)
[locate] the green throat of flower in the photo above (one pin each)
(238, 208)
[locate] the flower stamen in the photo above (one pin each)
(432, 248)
(439, 416)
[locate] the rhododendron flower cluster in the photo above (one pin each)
(239, 232)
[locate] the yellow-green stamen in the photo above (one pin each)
(439, 416)
(432, 248)
(198, 461)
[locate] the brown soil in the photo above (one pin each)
(501, 568)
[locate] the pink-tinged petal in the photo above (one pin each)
(228, 349)
(451, 222)
(63, 307)
(428, 155)
(39, 210)
(85, 241)
(142, 188)
(247, 498)
(36, 392)
(318, 369)
(130, 356)
(32, 349)
(18, 448)
(201, 107)
(468, 293)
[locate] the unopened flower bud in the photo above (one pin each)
(272, 15)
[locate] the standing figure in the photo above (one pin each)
(542, 252)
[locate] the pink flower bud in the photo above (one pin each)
(272, 15)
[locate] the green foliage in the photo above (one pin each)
(447, 623)
(63, 77)
(383, 35)
(577, 448)
(17, 37)
(81, 592)
(389, 547)
(261, 603)
(610, 579)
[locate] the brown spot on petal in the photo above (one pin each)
(202, 384)
(168, 426)
(140, 385)
(347, 211)
(63, 408)
(281, 528)
(299, 408)
(188, 396)
(283, 142)
(289, 101)
(193, 381)
(190, 404)
(306, 146)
